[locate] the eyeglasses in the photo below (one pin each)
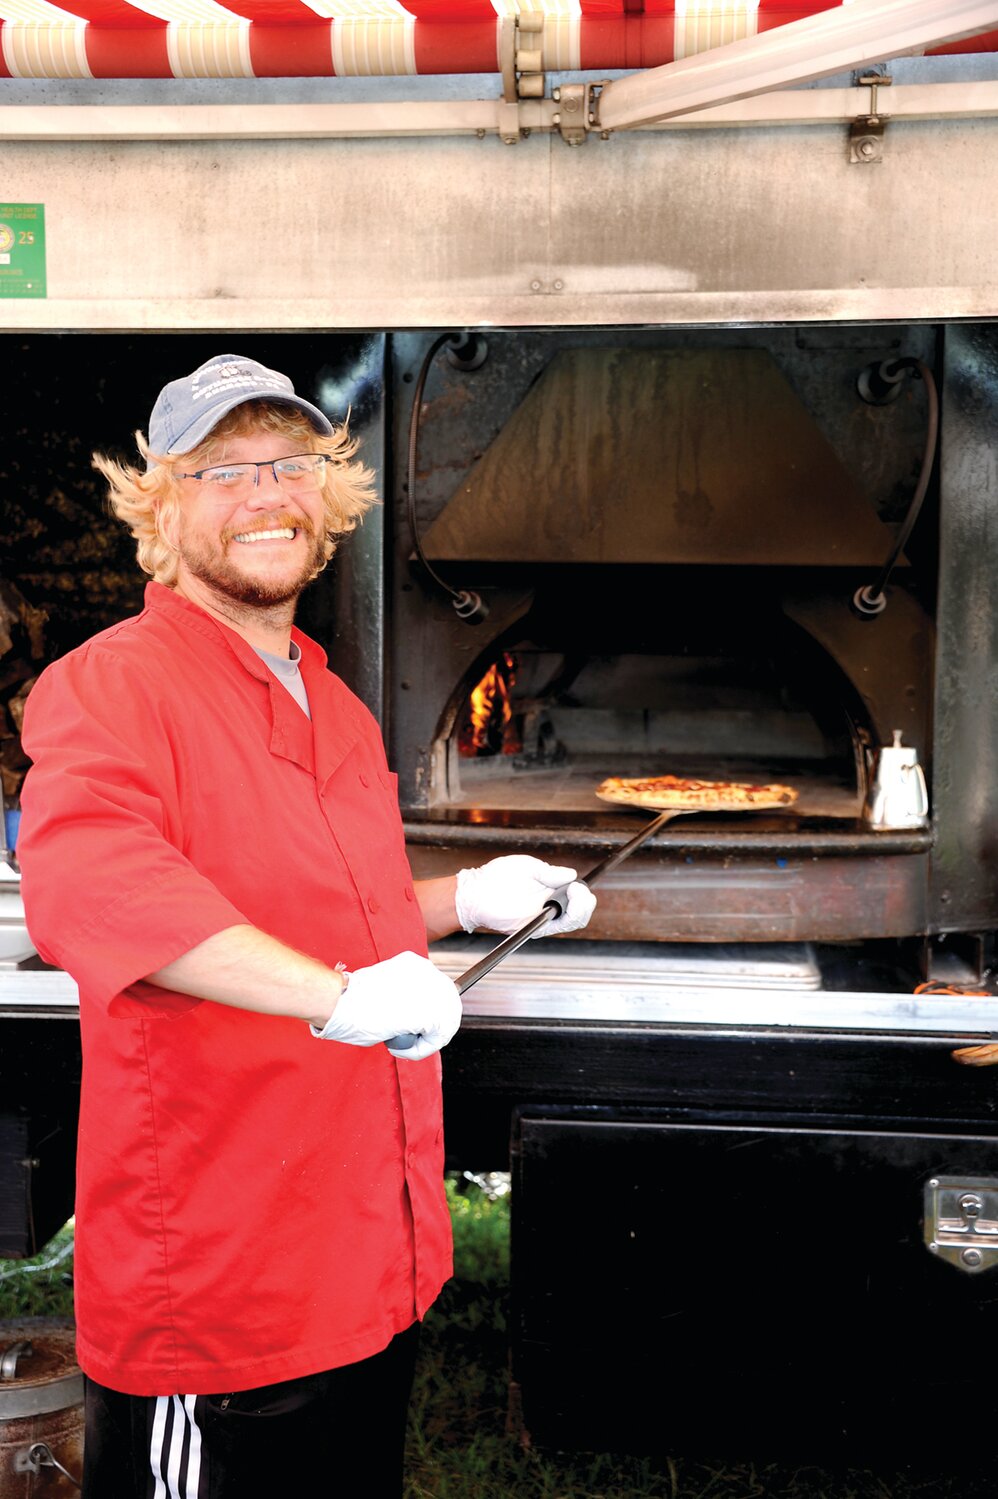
(303, 471)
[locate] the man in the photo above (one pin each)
(211, 846)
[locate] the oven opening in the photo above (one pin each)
(644, 681)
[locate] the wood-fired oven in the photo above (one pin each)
(660, 537)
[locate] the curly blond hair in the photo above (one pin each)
(149, 501)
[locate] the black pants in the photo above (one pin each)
(335, 1435)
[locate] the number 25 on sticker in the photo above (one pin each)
(26, 236)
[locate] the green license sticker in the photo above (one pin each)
(22, 250)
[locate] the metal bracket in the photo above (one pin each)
(866, 133)
(521, 62)
(577, 111)
(961, 1221)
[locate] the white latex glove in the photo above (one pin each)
(506, 893)
(406, 994)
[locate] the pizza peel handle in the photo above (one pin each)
(556, 905)
(559, 900)
(551, 908)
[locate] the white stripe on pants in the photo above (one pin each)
(173, 1422)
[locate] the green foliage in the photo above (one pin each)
(42, 1286)
(481, 1232)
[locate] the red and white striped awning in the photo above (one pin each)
(326, 38)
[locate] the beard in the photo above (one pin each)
(211, 565)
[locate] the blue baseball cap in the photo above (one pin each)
(188, 409)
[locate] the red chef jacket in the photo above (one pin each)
(253, 1204)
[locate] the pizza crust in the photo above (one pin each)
(685, 794)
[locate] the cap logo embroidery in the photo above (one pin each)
(225, 377)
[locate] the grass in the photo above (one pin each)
(459, 1446)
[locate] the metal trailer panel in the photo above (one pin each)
(772, 224)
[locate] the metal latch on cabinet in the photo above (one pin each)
(961, 1221)
(866, 133)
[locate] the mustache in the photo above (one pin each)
(274, 520)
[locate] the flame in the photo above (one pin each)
(488, 727)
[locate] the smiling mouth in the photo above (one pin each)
(283, 533)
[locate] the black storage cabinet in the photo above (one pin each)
(718, 1239)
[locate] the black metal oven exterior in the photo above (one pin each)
(757, 1275)
(849, 884)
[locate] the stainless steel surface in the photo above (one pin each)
(784, 230)
(744, 988)
(404, 117)
(753, 989)
(961, 1221)
(42, 992)
(897, 796)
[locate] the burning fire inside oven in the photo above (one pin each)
(488, 725)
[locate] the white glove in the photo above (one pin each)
(506, 893)
(406, 994)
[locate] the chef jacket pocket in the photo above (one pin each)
(282, 1399)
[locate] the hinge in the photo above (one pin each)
(866, 133)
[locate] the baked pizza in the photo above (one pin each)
(682, 793)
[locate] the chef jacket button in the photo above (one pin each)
(372, 904)
(410, 894)
(363, 779)
(410, 1158)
